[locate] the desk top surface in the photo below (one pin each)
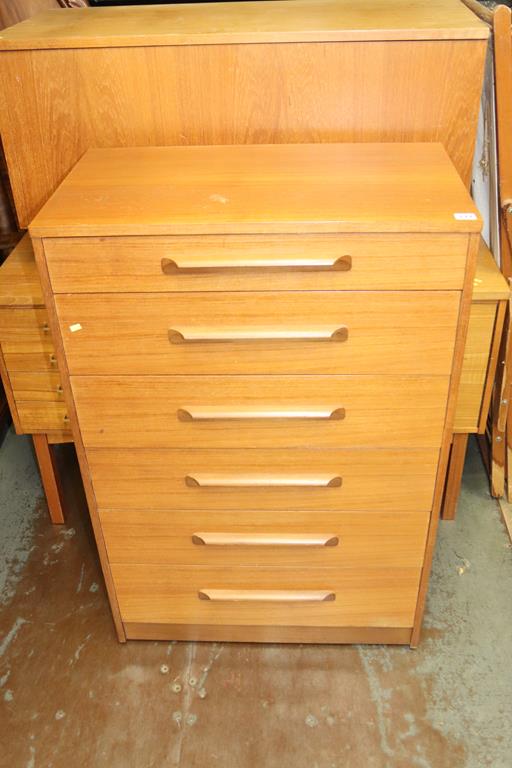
(260, 188)
(246, 22)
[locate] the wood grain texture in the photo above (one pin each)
(454, 476)
(247, 262)
(372, 539)
(25, 331)
(375, 479)
(489, 283)
(20, 285)
(388, 332)
(144, 411)
(490, 380)
(364, 596)
(363, 187)
(264, 94)
(251, 22)
(49, 478)
(389, 90)
(11, 401)
(475, 366)
(458, 358)
(267, 634)
(84, 469)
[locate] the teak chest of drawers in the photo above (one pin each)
(260, 349)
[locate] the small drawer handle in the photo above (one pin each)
(222, 413)
(267, 595)
(218, 265)
(261, 481)
(215, 539)
(53, 360)
(194, 335)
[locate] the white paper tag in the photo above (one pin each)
(75, 327)
(465, 216)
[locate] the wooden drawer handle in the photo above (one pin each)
(208, 266)
(267, 595)
(263, 481)
(192, 335)
(221, 413)
(265, 539)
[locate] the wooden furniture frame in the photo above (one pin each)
(118, 174)
(402, 71)
(28, 368)
(489, 307)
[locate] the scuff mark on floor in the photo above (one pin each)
(81, 579)
(12, 634)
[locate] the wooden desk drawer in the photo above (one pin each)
(39, 385)
(294, 332)
(276, 539)
(474, 366)
(260, 411)
(363, 597)
(25, 331)
(253, 262)
(356, 480)
(41, 360)
(41, 416)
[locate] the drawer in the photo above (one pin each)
(362, 597)
(25, 331)
(295, 332)
(256, 262)
(355, 480)
(37, 386)
(274, 539)
(260, 411)
(39, 360)
(41, 416)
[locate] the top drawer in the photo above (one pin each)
(256, 262)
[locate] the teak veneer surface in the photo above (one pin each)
(273, 411)
(378, 539)
(224, 189)
(386, 332)
(245, 262)
(251, 22)
(142, 351)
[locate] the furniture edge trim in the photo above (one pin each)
(267, 634)
(11, 400)
(80, 450)
(458, 358)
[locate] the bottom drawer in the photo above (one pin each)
(363, 597)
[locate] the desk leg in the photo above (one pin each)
(454, 476)
(49, 478)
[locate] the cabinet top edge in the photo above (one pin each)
(257, 21)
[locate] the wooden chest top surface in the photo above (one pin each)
(260, 188)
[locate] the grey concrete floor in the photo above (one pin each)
(70, 695)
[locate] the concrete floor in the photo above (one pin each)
(71, 696)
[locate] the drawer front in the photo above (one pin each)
(363, 597)
(274, 539)
(41, 416)
(252, 262)
(40, 360)
(474, 366)
(260, 333)
(260, 411)
(358, 480)
(37, 386)
(25, 331)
